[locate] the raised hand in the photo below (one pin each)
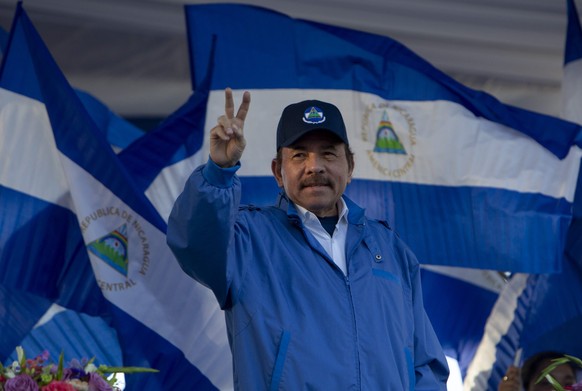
(227, 140)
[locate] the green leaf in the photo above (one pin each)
(46, 378)
(576, 360)
(60, 367)
(106, 369)
(554, 383)
(21, 356)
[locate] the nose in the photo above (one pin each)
(314, 164)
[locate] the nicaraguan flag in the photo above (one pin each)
(40, 240)
(540, 312)
(27, 318)
(53, 154)
(465, 180)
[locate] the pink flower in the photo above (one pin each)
(21, 383)
(97, 383)
(577, 386)
(58, 386)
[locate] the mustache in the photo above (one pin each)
(317, 180)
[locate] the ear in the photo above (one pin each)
(276, 169)
(351, 172)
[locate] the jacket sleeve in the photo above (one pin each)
(201, 226)
(431, 368)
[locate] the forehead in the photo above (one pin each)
(317, 137)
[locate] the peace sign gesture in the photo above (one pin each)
(227, 140)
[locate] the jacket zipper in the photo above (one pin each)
(355, 328)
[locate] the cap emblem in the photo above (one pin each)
(313, 115)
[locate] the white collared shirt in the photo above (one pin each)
(334, 245)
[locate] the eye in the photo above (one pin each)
(330, 155)
(298, 155)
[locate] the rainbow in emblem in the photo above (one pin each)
(386, 139)
(112, 249)
(313, 115)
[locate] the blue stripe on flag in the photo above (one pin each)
(19, 312)
(143, 347)
(58, 266)
(457, 310)
(74, 334)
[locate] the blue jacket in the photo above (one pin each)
(294, 320)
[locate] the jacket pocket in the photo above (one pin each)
(280, 360)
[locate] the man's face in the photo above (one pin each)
(314, 172)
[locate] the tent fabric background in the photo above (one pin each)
(134, 57)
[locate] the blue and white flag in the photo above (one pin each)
(26, 316)
(540, 312)
(465, 180)
(39, 227)
(53, 154)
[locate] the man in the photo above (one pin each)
(317, 297)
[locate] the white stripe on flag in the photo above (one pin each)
(27, 141)
(169, 183)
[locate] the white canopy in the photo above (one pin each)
(132, 54)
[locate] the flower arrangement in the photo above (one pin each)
(553, 382)
(38, 374)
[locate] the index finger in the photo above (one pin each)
(228, 103)
(244, 106)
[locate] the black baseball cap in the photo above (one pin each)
(301, 118)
